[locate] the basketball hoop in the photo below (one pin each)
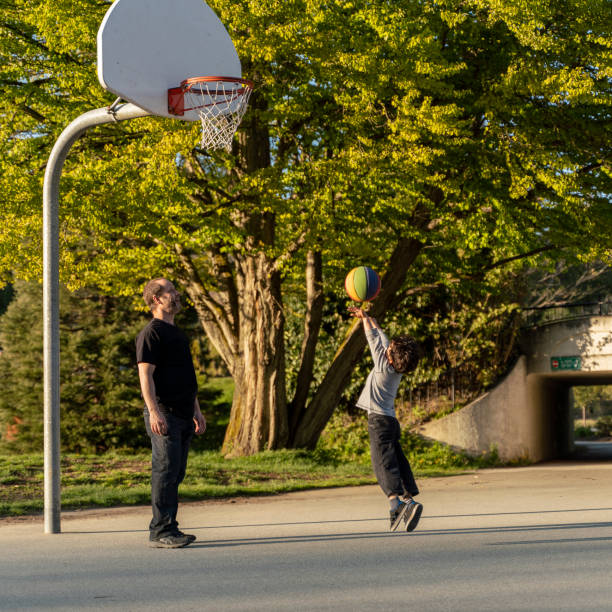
(219, 101)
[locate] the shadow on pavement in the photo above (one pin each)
(344, 521)
(559, 541)
(419, 533)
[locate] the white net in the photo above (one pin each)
(221, 105)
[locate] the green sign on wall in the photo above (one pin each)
(565, 363)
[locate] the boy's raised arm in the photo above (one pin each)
(368, 321)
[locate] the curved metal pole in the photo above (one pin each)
(51, 296)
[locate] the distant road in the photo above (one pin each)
(596, 451)
(517, 539)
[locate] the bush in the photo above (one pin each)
(583, 433)
(603, 426)
(101, 407)
(346, 439)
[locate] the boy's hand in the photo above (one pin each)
(368, 322)
(357, 312)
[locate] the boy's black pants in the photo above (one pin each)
(390, 465)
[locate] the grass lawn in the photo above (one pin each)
(121, 478)
(116, 479)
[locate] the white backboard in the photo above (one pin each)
(146, 47)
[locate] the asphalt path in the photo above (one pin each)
(530, 538)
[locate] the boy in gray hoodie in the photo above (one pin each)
(393, 472)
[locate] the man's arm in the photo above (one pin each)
(157, 420)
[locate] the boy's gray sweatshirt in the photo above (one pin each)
(378, 395)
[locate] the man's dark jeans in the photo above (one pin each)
(390, 465)
(168, 465)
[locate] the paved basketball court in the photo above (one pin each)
(533, 538)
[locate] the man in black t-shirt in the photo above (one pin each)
(172, 413)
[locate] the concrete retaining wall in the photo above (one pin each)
(499, 418)
(589, 338)
(527, 415)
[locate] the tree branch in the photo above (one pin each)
(291, 250)
(212, 315)
(330, 390)
(31, 112)
(503, 262)
(312, 325)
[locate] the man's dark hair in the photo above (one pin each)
(152, 290)
(405, 353)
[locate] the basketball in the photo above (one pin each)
(362, 284)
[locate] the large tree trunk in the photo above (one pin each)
(240, 305)
(245, 322)
(258, 418)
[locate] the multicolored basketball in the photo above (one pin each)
(362, 284)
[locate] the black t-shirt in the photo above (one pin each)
(166, 346)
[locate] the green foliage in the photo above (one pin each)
(215, 397)
(480, 129)
(467, 329)
(101, 406)
(594, 400)
(603, 426)
(373, 106)
(346, 439)
(429, 456)
(583, 433)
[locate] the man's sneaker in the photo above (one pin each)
(397, 515)
(170, 541)
(191, 537)
(412, 515)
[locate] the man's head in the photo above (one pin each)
(403, 354)
(161, 297)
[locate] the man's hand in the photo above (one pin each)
(200, 423)
(158, 423)
(198, 418)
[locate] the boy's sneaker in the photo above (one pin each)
(397, 515)
(413, 514)
(191, 537)
(170, 541)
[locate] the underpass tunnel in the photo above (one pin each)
(551, 409)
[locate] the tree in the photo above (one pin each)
(101, 402)
(560, 283)
(436, 141)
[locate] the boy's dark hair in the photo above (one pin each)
(405, 353)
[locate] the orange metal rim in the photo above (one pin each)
(188, 83)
